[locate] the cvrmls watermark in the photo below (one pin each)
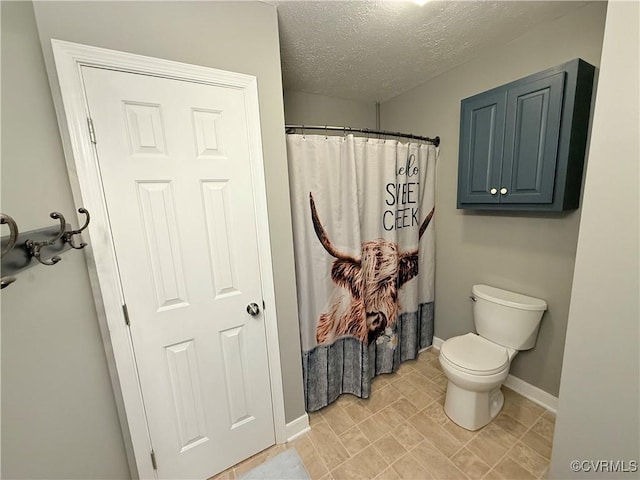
(602, 466)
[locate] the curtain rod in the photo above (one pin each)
(291, 128)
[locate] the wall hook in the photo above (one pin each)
(35, 247)
(13, 232)
(68, 236)
(13, 238)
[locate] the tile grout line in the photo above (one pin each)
(357, 425)
(416, 457)
(372, 444)
(517, 440)
(349, 456)
(464, 445)
(432, 387)
(315, 449)
(544, 410)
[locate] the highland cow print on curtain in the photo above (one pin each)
(363, 224)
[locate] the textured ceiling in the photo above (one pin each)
(375, 50)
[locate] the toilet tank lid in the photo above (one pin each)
(509, 299)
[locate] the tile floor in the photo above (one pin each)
(402, 432)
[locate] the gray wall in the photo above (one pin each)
(599, 413)
(59, 417)
(311, 109)
(532, 254)
(58, 410)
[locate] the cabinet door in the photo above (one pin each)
(531, 140)
(481, 138)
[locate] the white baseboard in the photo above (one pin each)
(533, 393)
(525, 389)
(298, 427)
(435, 344)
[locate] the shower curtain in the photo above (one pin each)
(363, 230)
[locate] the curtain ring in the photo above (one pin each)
(326, 135)
(367, 134)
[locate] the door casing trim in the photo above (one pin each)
(84, 175)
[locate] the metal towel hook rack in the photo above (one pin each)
(35, 247)
(19, 249)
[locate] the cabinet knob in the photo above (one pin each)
(494, 191)
(503, 190)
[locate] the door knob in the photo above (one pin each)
(494, 191)
(253, 309)
(503, 190)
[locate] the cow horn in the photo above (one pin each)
(408, 264)
(425, 224)
(322, 234)
(423, 227)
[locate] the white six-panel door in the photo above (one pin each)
(174, 162)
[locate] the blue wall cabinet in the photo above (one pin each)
(522, 145)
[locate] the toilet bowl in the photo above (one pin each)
(475, 368)
(476, 365)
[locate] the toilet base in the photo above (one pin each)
(472, 410)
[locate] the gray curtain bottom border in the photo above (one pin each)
(347, 365)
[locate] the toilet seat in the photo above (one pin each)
(475, 355)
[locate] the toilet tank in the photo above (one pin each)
(507, 318)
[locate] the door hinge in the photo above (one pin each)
(125, 312)
(153, 460)
(92, 132)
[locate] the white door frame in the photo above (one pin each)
(84, 174)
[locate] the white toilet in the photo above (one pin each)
(476, 365)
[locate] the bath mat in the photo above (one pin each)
(284, 466)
